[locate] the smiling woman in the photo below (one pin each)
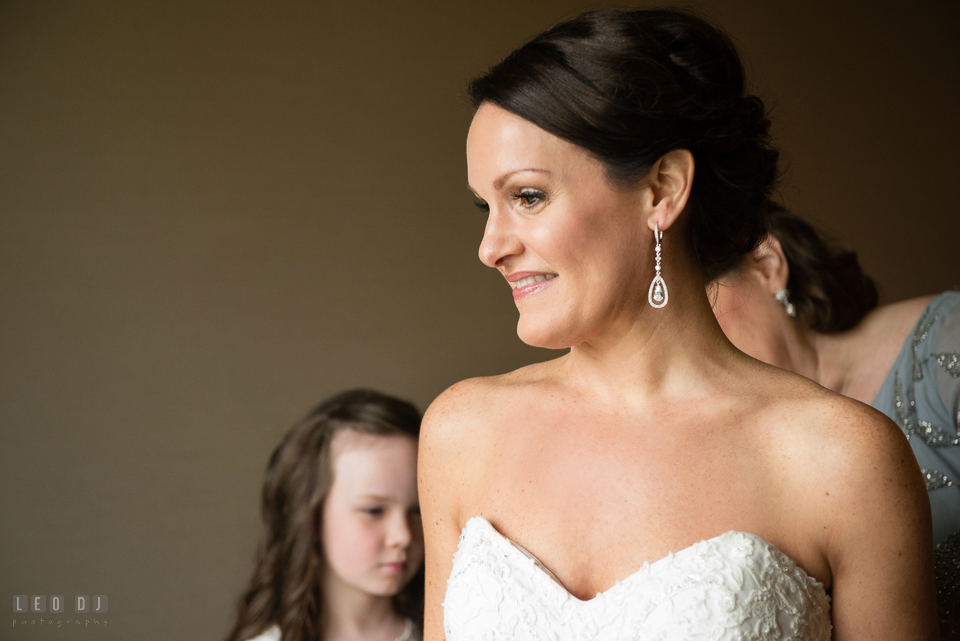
(543, 221)
(692, 489)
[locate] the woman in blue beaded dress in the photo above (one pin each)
(801, 303)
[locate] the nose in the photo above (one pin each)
(398, 532)
(500, 241)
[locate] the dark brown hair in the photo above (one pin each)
(629, 86)
(828, 288)
(285, 587)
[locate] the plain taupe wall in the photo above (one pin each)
(213, 214)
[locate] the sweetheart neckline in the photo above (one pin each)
(644, 566)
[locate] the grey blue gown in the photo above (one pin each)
(922, 395)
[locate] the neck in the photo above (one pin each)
(834, 360)
(827, 359)
(803, 351)
(856, 362)
(652, 353)
(349, 613)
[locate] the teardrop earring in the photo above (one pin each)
(657, 295)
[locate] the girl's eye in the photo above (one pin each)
(529, 197)
(482, 206)
(373, 511)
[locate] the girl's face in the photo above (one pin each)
(575, 249)
(371, 530)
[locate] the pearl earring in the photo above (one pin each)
(657, 295)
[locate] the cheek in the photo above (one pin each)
(556, 244)
(349, 544)
(602, 245)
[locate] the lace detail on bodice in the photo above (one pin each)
(733, 586)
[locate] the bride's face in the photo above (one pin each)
(575, 249)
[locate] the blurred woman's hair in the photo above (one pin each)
(828, 288)
(285, 587)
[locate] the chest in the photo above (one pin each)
(733, 586)
(593, 504)
(578, 464)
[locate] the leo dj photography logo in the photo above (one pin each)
(33, 610)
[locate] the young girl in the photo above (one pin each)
(341, 553)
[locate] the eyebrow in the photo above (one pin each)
(381, 497)
(385, 499)
(499, 182)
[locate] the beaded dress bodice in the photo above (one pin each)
(733, 586)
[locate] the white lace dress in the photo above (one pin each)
(734, 586)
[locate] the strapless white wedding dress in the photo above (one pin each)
(733, 586)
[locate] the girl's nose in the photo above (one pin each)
(398, 532)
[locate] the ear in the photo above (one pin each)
(770, 264)
(670, 180)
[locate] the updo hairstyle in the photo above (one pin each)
(828, 288)
(629, 86)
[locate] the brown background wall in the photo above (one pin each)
(212, 214)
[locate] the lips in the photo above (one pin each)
(526, 284)
(394, 568)
(529, 280)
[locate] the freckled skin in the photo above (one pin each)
(654, 432)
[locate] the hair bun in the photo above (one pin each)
(630, 86)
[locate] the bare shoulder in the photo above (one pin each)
(458, 413)
(850, 443)
(911, 306)
(896, 318)
(841, 456)
(868, 463)
(466, 409)
(859, 499)
(461, 426)
(449, 429)
(856, 482)
(458, 438)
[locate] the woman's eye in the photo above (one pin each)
(482, 206)
(373, 511)
(529, 197)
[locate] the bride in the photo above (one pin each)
(653, 482)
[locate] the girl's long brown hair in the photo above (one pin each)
(285, 587)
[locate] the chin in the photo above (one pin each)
(544, 335)
(388, 588)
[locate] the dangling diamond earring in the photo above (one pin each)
(783, 297)
(657, 295)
